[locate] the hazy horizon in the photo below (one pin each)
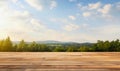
(60, 20)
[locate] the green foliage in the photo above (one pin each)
(32, 46)
(6, 45)
(70, 49)
(83, 49)
(1, 45)
(107, 46)
(21, 46)
(59, 49)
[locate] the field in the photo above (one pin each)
(59, 61)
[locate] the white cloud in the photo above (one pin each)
(88, 7)
(105, 9)
(37, 24)
(97, 9)
(19, 13)
(18, 3)
(94, 5)
(66, 24)
(72, 0)
(53, 4)
(41, 4)
(72, 17)
(21, 25)
(35, 4)
(71, 27)
(14, 1)
(3, 2)
(109, 29)
(106, 31)
(86, 14)
(105, 16)
(84, 25)
(13, 22)
(118, 5)
(22, 6)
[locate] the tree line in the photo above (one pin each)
(6, 45)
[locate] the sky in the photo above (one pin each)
(60, 20)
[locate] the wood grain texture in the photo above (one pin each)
(59, 61)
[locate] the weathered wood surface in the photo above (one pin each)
(61, 61)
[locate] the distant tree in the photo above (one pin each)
(21, 46)
(115, 45)
(70, 49)
(99, 46)
(7, 45)
(44, 48)
(1, 45)
(83, 49)
(33, 46)
(106, 46)
(15, 47)
(59, 49)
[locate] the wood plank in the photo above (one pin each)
(102, 63)
(59, 61)
(59, 70)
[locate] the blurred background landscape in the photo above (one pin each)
(59, 25)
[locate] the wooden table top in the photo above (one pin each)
(59, 61)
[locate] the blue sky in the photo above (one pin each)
(61, 20)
